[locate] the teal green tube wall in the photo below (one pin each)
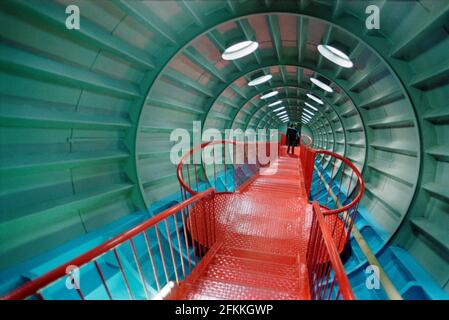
(86, 115)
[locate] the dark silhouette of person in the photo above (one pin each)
(291, 138)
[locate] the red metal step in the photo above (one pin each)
(264, 241)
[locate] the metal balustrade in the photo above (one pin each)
(335, 186)
(225, 166)
(137, 264)
(148, 260)
(327, 277)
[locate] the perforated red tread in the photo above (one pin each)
(265, 233)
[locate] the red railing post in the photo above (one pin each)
(323, 258)
(36, 286)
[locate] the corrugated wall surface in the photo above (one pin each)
(86, 114)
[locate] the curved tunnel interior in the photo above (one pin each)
(86, 115)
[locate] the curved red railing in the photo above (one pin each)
(306, 140)
(325, 169)
(190, 232)
(327, 276)
(150, 229)
(229, 160)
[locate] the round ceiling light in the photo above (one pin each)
(260, 80)
(269, 95)
(240, 50)
(335, 55)
(318, 100)
(321, 85)
(310, 106)
(275, 103)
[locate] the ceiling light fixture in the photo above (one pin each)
(240, 50)
(260, 80)
(321, 85)
(275, 103)
(269, 95)
(310, 106)
(318, 100)
(309, 112)
(306, 116)
(280, 108)
(335, 55)
(282, 112)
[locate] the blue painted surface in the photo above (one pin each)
(411, 280)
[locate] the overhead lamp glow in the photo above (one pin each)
(306, 116)
(284, 117)
(240, 50)
(269, 95)
(310, 106)
(278, 114)
(309, 112)
(275, 103)
(321, 85)
(335, 55)
(260, 80)
(280, 108)
(317, 100)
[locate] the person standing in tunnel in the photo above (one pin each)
(291, 138)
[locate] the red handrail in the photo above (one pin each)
(305, 151)
(186, 185)
(32, 287)
(186, 157)
(340, 218)
(308, 139)
(323, 258)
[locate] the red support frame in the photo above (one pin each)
(33, 287)
(322, 260)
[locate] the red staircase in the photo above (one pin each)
(262, 254)
(260, 239)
